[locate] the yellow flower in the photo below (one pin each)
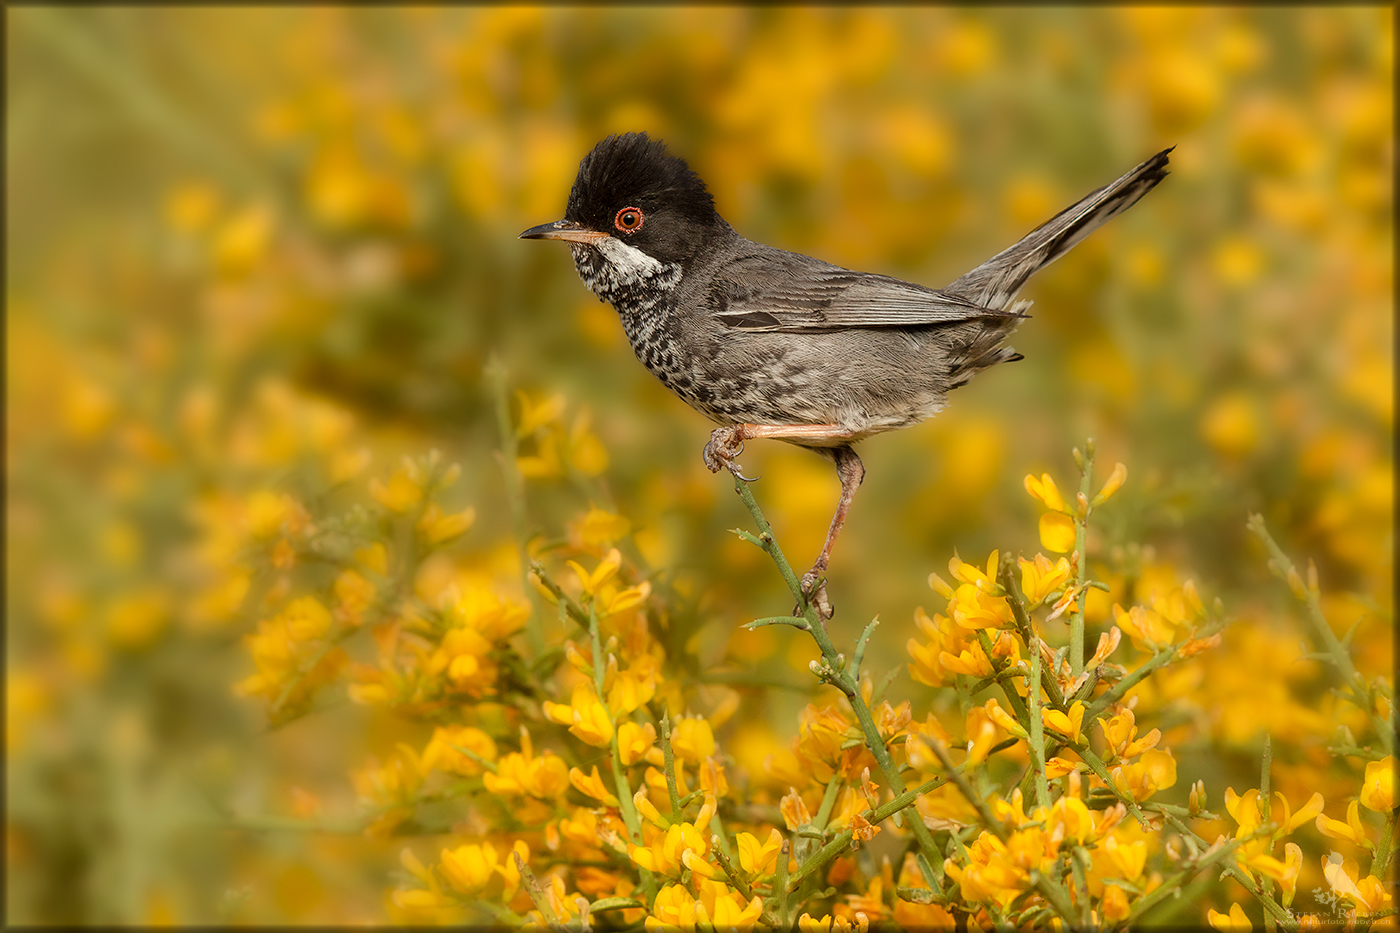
(1128, 858)
(673, 911)
(1154, 771)
(374, 556)
(1115, 482)
(973, 575)
(982, 734)
(1147, 628)
(586, 716)
(794, 811)
(266, 511)
(1233, 922)
(1004, 719)
(395, 782)
(1120, 732)
(665, 852)
(1231, 425)
(469, 868)
(758, 858)
(1352, 830)
(344, 465)
(586, 453)
(1045, 491)
(1040, 579)
(629, 689)
(972, 661)
(356, 595)
(243, 240)
(1291, 820)
(463, 656)
(537, 414)
(591, 582)
(973, 607)
(692, 739)
(1115, 903)
(599, 527)
(401, 493)
(1057, 532)
(437, 527)
(990, 875)
(441, 754)
(484, 612)
(1378, 792)
(522, 773)
(634, 740)
(926, 666)
(545, 463)
(592, 785)
(136, 619)
(1065, 724)
(1368, 894)
(1285, 872)
(1070, 816)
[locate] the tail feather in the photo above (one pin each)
(995, 283)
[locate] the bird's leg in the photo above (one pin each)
(727, 442)
(852, 474)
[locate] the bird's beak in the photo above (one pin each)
(563, 230)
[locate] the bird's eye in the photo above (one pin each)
(628, 219)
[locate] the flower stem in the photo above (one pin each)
(515, 489)
(929, 858)
(1081, 534)
(1341, 657)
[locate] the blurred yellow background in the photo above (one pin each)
(241, 238)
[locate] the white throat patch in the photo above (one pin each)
(612, 269)
(630, 263)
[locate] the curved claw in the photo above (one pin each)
(735, 468)
(813, 586)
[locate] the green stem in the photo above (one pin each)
(978, 802)
(833, 788)
(1081, 530)
(670, 762)
(1036, 727)
(828, 853)
(1096, 765)
(1275, 910)
(1341, 657)
(780, 884)
(929, 858)
(1381, 860)
(515, 489)
(566, 602)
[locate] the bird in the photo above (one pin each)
(769, 343)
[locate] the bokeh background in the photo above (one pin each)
(240, 238)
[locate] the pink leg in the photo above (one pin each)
(727, 442)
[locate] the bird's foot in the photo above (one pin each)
(724, 445)
(813, 585)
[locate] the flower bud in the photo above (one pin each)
(1116, 479)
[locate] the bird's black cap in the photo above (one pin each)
(634, 169)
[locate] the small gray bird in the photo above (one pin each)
(769, 343)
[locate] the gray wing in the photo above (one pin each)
(789, 293)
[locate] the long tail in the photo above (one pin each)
(995, 283)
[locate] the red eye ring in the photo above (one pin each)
(629, 219)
